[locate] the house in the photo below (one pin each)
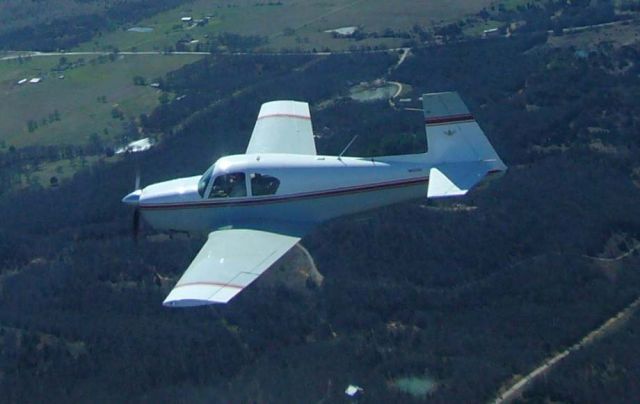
(35, 80)
(491, 32)
(137, 146)
(343, 32)
(353, 391)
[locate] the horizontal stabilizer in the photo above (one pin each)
(455, 179)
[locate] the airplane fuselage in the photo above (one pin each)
(311, 189)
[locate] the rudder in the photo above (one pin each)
(453, 135)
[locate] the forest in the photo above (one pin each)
(64, 24)
(467, 293)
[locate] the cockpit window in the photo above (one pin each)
(204, 181)
(263, 184)
(229, 185)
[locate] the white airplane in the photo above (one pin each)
(258, 205)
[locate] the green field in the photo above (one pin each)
(70, 110)
(295, 24)
(84, 99)
(62, 170)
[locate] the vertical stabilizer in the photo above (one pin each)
(459, 151)
(453, 135)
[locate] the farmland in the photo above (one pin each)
(78, 97)
(295, 24)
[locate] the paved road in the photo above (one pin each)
(10, 55)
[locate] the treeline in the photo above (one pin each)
(65, 31)
(556, 14)
(15, 161)
(220, 77)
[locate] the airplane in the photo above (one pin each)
(258, 205)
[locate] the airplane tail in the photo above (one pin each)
(458, 149)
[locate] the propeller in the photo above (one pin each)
(137, 186)
(136, 224)
(136, 210)
(133, 199)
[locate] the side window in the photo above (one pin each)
(229, 185)
(263, 184)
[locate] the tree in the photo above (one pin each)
(139, 81)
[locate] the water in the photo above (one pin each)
(416, 386)
(140, 29)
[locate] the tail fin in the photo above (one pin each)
(458, 149)
(452, 132)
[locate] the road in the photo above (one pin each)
(618, 258)
(34, 54)
(516, 390)
(11, 55)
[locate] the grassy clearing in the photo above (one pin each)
(304, 21)
(61, 169)
(84, 99)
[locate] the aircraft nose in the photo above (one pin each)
(133, 198)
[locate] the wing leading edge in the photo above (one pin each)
(283, 127)
(227, 263)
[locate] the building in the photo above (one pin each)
(186, 19)
(137, 146)
(353, 391)
(343, 32)
(491, 32)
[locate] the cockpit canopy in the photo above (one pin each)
(204, 181)
(235, 184)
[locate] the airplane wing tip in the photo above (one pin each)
(193, 296)
(188, 303)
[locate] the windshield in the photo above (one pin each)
(204, 181)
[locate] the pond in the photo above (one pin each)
(373, 93)
(417, 386)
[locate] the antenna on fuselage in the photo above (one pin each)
(347, 147)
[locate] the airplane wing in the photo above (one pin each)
(283, 127)
(227, 263)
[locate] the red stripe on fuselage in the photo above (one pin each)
(439, 120)
(285, 116)
(287, 198)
